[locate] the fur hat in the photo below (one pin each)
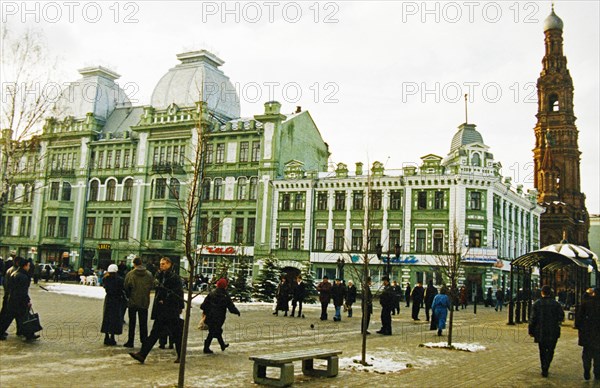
(113, 268)
(222, 283)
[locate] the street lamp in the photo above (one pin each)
(388, 267)
(397, 253)
(340, 265)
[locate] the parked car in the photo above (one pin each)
(45, 269)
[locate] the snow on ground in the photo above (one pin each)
(457, 346)
(379, 362)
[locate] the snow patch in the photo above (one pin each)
(456, 346)
(377, 364)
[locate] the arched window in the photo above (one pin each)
(553, 105)
(253, 188)
(475, 160)
(13, 193)
(205, 190)
(66, 191)
(111, 187)
(93, 191)
(174, 189)
(218, 189)
(241, 193)
(127, 188)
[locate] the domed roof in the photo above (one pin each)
(198, 72)
(467, 134)
(553, 22)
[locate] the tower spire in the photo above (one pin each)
(466, 112)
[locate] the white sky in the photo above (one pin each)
(363, 67)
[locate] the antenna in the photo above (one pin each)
(466, 112)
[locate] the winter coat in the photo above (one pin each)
(500, 295)
(440, 306)
(417, 294)
(546, 316)
(138, 284)
(587, 322)
(168, 299)
(463, 295)
(387, 298)
(407, 292)
(369, 301)
(283, 296)
(397, 290)
(299, 292)
(112, 317)
(337, 294)
(430, 293)
(18, 291)
(215, 308)
(351, 294)
(324, 292)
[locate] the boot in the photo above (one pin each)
(223, 344)
(207, 346)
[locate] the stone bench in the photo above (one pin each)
(284, 361)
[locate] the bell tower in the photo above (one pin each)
(556, 153)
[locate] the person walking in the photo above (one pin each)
(544, 326)
(324, 289)
(18, 303)
(367, 308)
(397, 290)
(350, 297)
(440, 306)
(338, 292)
(283, 297)
(298, 295)
(587, 321)
(12, 266)
(430, 293)
(488, 298)
(463, 297)
(417, 295)
(112, 320)
(168, 304)
(387, 305)
(138, 284)
(499, 299)
(407, 293)
(215, 308)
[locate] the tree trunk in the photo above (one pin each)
(186, 323)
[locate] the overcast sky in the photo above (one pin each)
(383, 80)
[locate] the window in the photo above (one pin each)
(160, 188)
(205, 194)
(174, 189)
(376, 200)
(340, 200)
(253, 188)
(220, 158)
(127, 187)
(255, 151)
(357, 240)
(218, 189)
(94, 191)
(283, 238)
(238, 237)
(296, 238)
(422, 200)
(474, 238)
(54, 189)
(475, 200)
(124, 228)
(171, 233)
(394, 239)
(214, 230)
(50, 226)
(357, 199)
(320, 239)
(338, 240)
(421, 240)
(126, 159)
(66, 191)
(111, 187)
(22, 226)
(63, 226)
(27, 194)
(374, 239)
(90, 226)
(438, 240)
(107, 223)
(322, 200)
(242, 186)
(475, 160)
(118, 159)
(244, 148)
(13, 193)
(395, 200)
(100, 160)
(203, 231)
(299, 201)
(285, 201)
(109, 159)
(208, 155)
(250, 234)
(439, 200)
(157, 228)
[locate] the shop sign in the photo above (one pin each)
(104, 247)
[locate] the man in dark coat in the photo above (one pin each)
(12, 266)
(417, 295)
(215, 307)
(138, 284)
(283, 297)
(367, 307)
(387, 304)
(299, 293)
(544, 326)
(324, 289)
(407, 292)
(587, 322)
(430, 293)
(350, 297)
(18, 302)
(499, 299)
(338, 291)
(397, 290)
(168, 304)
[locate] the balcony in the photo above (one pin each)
(62, 172)
(167, 167)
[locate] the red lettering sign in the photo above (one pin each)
(221, 250)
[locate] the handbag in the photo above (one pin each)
(31, 323)
(202, 325)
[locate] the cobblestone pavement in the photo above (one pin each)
(70, 352)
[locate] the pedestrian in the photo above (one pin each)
(138, 284)
(544, 326)
(350, 297)
(298, 295)
(407, 292)
(367, 307)
(397, 290)
(12, 266)
(386, 299)
(587, 322)
(37, 273)
(168, 304)
(430, 293)
(499, 299)
(112, 320)
(488, 298)
(417, 295)
(324, 289)
(440, 306)
(338, 291)
(18, 303)
(215, 308)
(463, 297)
(283, 297)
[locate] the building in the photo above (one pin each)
(556, 154)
